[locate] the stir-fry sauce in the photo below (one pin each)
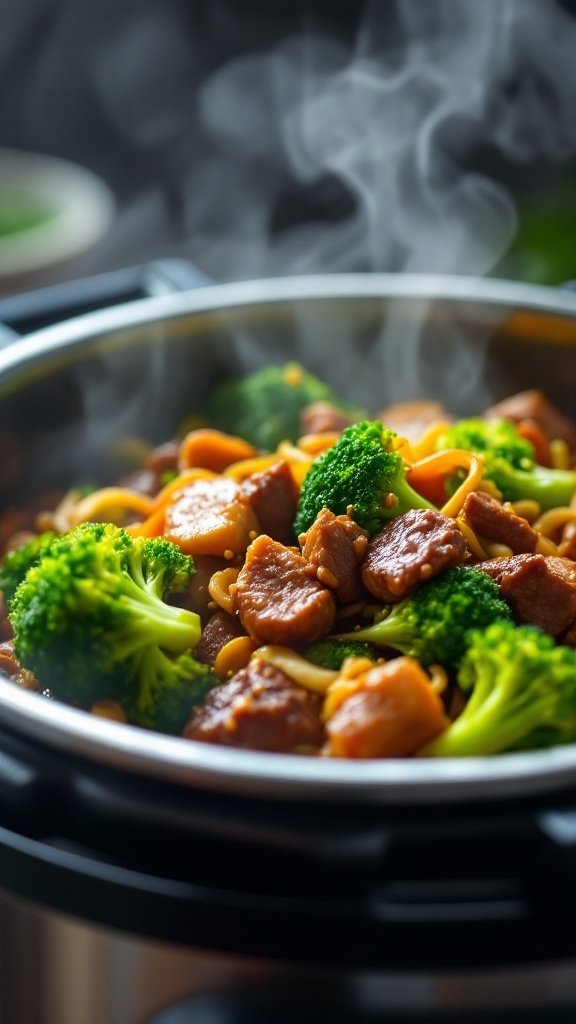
(351, 604)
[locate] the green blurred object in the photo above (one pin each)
(21, 210)
(544, 250)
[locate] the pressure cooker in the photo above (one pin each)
(146, 879)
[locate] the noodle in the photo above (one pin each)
(219, 588)
(258, 487)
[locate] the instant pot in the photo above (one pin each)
(145, 879)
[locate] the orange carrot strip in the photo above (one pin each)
(212, 449)
(316, 444)
(531, 431)
(240, 470)
(153, 525)
(426, 444)
(428, 475)
(186, 477)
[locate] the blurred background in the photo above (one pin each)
(257, 138)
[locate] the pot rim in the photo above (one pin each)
(270, 291)
(255, 773)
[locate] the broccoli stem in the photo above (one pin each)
(167, 625)
(407, 498)
(392, 631)
(549, 487)
(486, 726)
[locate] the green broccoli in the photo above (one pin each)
(509, 461)
(522, 690)
(362, 471)
(432, 623)
(91, 621)
(264, 407)
(168, 688)
(17, 562)
(331, 653)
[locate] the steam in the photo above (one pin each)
(406, 135)
(394, 150)
(390, 146)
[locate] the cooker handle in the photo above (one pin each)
(32, 311)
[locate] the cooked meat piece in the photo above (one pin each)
(540, 589)
(273, 496)
(218, 631)
(278, 597)
(259, 708)
(389, 711)
(145, 481)
(533, 405)
(164, 458)
(210, 517)
(488, 518)
(409, 550)
(412, 419)
(335, 546)
(569, 637)
(323, 418)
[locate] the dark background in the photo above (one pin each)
(261, 138)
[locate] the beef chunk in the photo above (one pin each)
(491, 520)
(410, 549)
(273, 496)
(533, 405)
(322, 418)
(335, 546)
(259, 708)
(540, 589)
(412, 419)
(278, 597)
(218, 631)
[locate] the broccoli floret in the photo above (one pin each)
(264, 407)
(17, 562)
(432, 623)
(332, 653)
(522, 690)
(167, 690)
(362, 471)
(509, 461)
(90, 621)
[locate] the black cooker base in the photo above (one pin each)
(238, 1010)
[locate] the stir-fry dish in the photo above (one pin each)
(295, 575)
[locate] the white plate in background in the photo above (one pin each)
(78, 210)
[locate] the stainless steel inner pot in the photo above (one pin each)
(72, 400)
(73, 396)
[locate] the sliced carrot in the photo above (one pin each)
(212, 449)
(429, 475)
(153, 526)
(532, 432)
(210, 517)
